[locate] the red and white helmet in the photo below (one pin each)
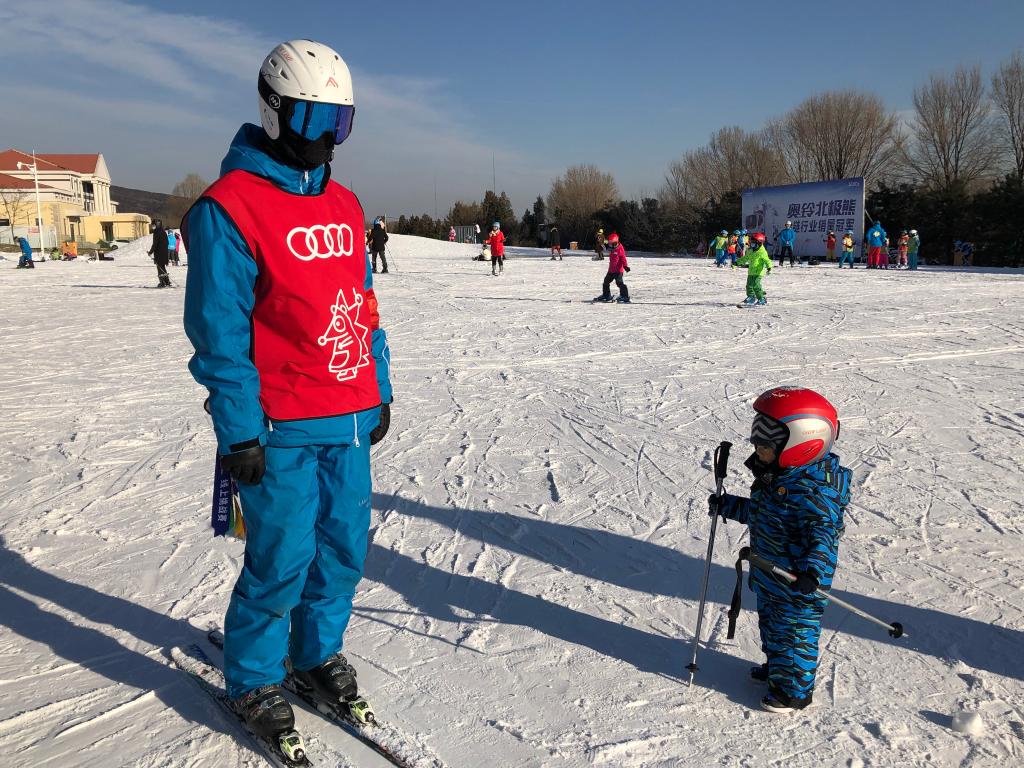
(613, 238)
(810, 420)
(759, 237)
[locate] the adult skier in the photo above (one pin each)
(758, 262)
(281, 312)
(378, 242)
(158, 250)
(787, 238)
(876, 239)
(25, 260)
(496, 240)
(830, 246)
(795, 515)
(913, 247)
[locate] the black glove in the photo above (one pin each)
(381, 429)
(627, 269)
(806, 583)
(246, 466)
(714, 506)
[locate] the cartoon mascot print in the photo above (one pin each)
(349, 336)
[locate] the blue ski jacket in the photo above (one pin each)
(795, 519)
(219, 300)
(876, 236)
(787, 236)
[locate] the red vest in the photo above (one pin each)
(312, 320)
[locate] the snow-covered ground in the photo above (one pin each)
(540, 522)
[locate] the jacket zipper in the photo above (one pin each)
(355, 429)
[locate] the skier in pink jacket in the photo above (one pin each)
(616, 266)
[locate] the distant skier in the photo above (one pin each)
(617, 265)
(158, 250)
(876, 239)
(172, 247)
(758, 262)
(599, 245)
(451, 234)
(795, 515)
(902, 247)
(720, 245)
(742, 243)
(496, 240)
(830, 246)
(847, 255)
(555, 239)
(25, 260)
(787, 238)
(281, 312)
(913, 247)
(734, 239)
(378, 245)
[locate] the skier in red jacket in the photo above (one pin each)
(616, 266)
(497, 242)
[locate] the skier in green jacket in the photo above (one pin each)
(757, 261)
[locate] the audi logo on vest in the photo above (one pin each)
(321, 241)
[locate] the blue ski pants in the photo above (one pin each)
(306, 538)
(790, 626)
(912, 260)
(846, 258)
(719, 256)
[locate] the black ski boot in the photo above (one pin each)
(266, 711)
(334, 681)
(760, 673)
(778, 702)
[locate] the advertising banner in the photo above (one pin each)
(814, 209)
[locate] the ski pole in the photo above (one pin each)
(895, 629)
(721, 464)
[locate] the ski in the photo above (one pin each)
(358, 719)
(288, 752)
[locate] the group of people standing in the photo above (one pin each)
(731, 248)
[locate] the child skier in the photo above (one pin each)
(616, 266)
(830, 245)
(720, 244)
(847, 249)
(902, 245)
(497, 242)
(795, 514)
(757, 261)
(731, 249)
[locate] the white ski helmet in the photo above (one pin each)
(305, 101)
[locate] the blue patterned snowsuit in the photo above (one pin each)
(795, 521)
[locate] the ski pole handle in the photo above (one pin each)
(895, 629)
(722, 462)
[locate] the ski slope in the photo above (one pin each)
(540, 516)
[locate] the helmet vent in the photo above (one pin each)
(311, 54)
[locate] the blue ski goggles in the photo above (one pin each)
(312, 119)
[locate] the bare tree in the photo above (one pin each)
(1008, 95)
(732, 160)
(578, 194)
(952, 134)
(13, 203)
(191, 187)
(837, 135)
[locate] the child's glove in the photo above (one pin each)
(806, 583)
(627, 269)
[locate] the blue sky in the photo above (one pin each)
(440, 87)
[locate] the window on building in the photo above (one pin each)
(89, 202)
